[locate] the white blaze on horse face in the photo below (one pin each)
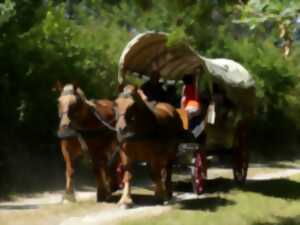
(64, 104)
(64, 121)
(121, 123)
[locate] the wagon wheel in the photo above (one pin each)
(199, 172)
(241, 160)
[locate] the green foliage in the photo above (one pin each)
(85, 49)
(177, 37)
(277, 85)
(85, 46)
(7, 10)
(274, 75)
(257, 12)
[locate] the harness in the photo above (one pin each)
(123, 135)
(107, 124)
(73, 131)
(80, 133)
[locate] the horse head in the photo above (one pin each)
(70, 106)
(135, 117)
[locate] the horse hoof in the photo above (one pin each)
(68, 198)
(104, 197)
(115, 188)
(67, 201)
(125, 206)
(167, 202)
(100, 199)
(170, 201)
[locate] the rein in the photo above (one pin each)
(82, 133)
(106, 124)
(132, 136)
(72, 131)
(123, 135)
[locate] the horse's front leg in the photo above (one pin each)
(159, 176)
(126, 199)
(161, 172)
(168, 180)
(69, 194)
(103, 183)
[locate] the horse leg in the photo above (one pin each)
(103, 188)
(159, 176)
(126, 199)
(169, 187)
(69, 194)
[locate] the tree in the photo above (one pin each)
(279, 14)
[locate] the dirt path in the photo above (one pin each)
(43, 199)
(275, 175)
(46, 208)
(110, 216)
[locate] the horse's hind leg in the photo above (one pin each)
(168, 181)
(103, 183)
(126, 200)
(69, 194)
(159, 175)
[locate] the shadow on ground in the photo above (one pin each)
(138, 199)
(278, 188)
(206, 204)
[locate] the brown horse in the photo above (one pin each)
(147, 133)
(86, 126)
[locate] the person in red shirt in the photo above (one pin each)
(190, 100)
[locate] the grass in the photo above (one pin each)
(273, 202)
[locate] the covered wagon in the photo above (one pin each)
(153, 52)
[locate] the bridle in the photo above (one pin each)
(107, 124)
(74, 131)
(127, 135)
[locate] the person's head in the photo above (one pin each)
(155, 77)
(188, 79)
(171, 88)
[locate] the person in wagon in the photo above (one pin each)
(190, 100)
(153, 89)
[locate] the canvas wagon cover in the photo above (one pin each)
(150, 52)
